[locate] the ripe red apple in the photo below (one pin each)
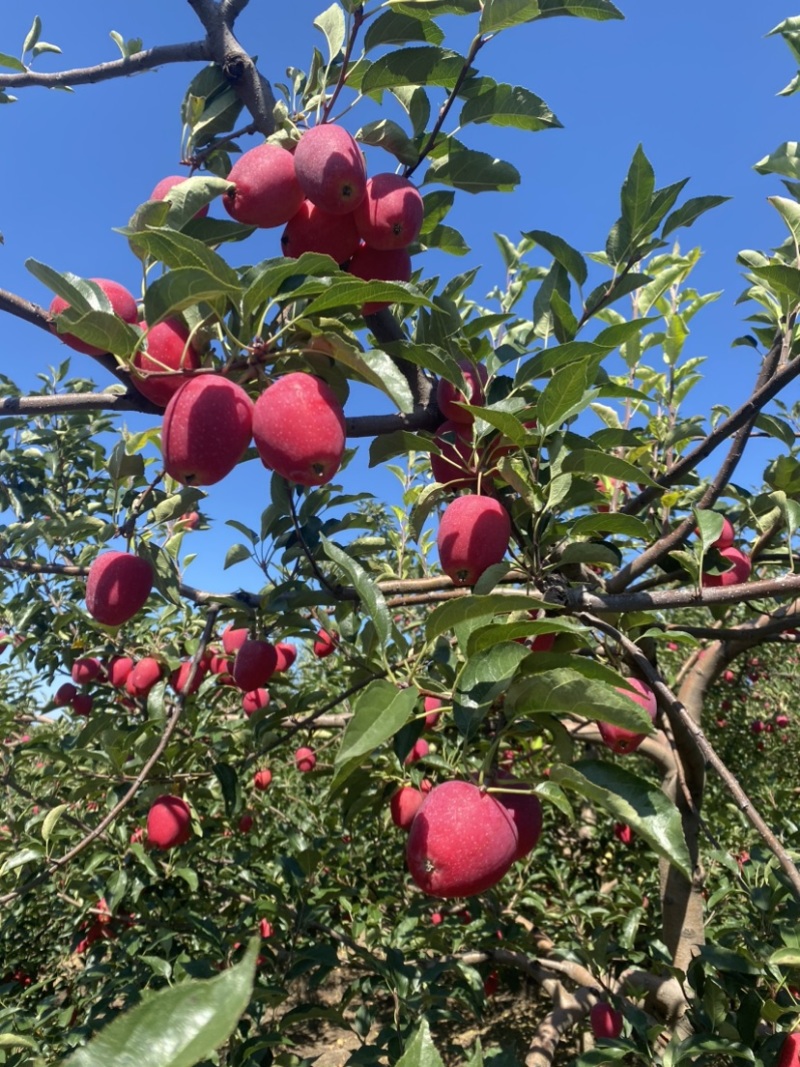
(265, 928)
(117, 587)
(623, 833)
(605, 1020)
(491, 983)
(86, 670)
(255, 700)
(189, 521)
(232, 640)
(619, 739)
(311, 229)
(726, 538)
(462, 841)
(64, 695)
(118, 670)
(245, 824)
(330, 168)
(739, 572)
(266, 191)
(404, 805)
(220, 664)
(122, 303)
(419, 750)
(436, 918)
(456, 464)
(390, 215)
(474, 532)
(781, 720)
(254, 664)
(167, 351)
(448, 397)
(373, 264)
(207, 426)
(179, 678)
(305, 760)
(790, 1051)
(166, 185)
(325, 644)
(757, 726)
(299, 429)
(287, 654)
(143, 677)
(82, 704)
(432, 713)
(262, 779)
(169, 822)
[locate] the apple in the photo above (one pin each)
(254, 664)
(432, 713)
(122, 303)
(758, 726)
(166, 185)
(245, 824)
(118, 670)
(325, 643)
(255, 700)
(619, 739)
(117, 587)
(330, 168)
(623, 833)
(739, 572)
(189, 521)
(726, 538)
(232, 640)
(305, 760)
(781, 720)
(265, 189)
(311, 229)
(419, 750)
(448, 397)
(265, 928)
(461, 842)
(391, 213)
(436, 918)
(474, 532)
(262, 779)
(86, 670)
(287, 654)
(82, 704)
(299, 429)
(373, 264)
(179, 678)
(491, 983)
(143, 677)
(64, 694)
(207, 426)
(525, 810)
(404, 805)
(790, 1051)
(158, 365)
(605, 1020)
(169, 822)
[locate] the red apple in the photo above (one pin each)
(287, 654)
(82, 704)
(262, 779)
(118, 670)
(619, 739)
(525, 810)
(117, 587)
(305, 760)
(299, 429)
(169, 822)
(432, 713)
(390, 215)
(265, 928)
(404, 805)
(330, 168)
(207, 426)
(455, 465)
(232, 640)
(419, 750)
(605, 1021)
(143, 677)
(179, 678)
(474, 532)
(122, 303)
(739, 572)
(255, 700)
(311, 229)
(325, 644)
(245, 824)
(161, 366)
(462, 841)
(372, 264)
(254, 664)
(86, 670)
(266, 191)
(64, 695)
(448, 397)
(165, 187)
(623, 833)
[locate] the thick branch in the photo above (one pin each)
(147, 59)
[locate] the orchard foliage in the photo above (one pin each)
(203, 845)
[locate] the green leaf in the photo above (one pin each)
(454, 612)
(19, 859)
(569, 258)
(176, 249)
(332, 24)
(487, 636)
(501, 14)
(433, 8)
(236, 554)
(508, 105)
(231, 787)
(637, 193)
(377, 369)
(347, 290)
(393, 27)
(483, 678)
(597, 10)
(561, 396)
(12, 63)
(17, 1041)
(709, 523)
(610, 523)
(399, 443)
(372, 599)
(177, 1027)
(32, 35)
(587, 461)
(691, 211)
(181, 288)
(789, 211)
(51, 819)
(420, 1050)
(576, 690)
(780, 278)
(386, 134)
(632, 800)
(785, 160)
(446, 239)
(418, 65)
(470, 170)
(380, 711)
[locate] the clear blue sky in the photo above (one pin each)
(695, 82)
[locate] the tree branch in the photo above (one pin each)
(147, 59)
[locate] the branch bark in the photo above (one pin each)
(147, 59)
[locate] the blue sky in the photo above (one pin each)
(694, 82)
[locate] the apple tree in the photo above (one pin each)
(485, 742)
